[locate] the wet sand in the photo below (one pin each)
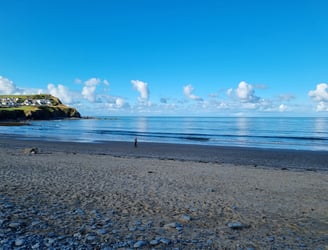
(161, 196)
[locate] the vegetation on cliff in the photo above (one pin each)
(34, 107)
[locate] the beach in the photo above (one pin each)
(160, 196)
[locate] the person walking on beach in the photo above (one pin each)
(135, 142)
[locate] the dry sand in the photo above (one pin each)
(68, 196)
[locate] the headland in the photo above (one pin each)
(34, 107)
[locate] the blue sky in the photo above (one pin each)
(146, 57)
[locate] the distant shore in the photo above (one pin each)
(162, 196)
(256, 157)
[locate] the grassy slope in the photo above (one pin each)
(57, 110)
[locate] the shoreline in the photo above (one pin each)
(71, 195)
(159, 196)
(284, 159)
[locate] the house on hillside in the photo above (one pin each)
(7, 102)
(43, 102)
(28, 102)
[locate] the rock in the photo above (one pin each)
(237, 225)
(2, 222)
(35, 223)
(8, 205)
(140, 243)
(36, 246)
(14, 225)
(137, 223)
(154, 242)
(209, 242)
(102, 231)
(77, 235)
(79, 211)
(132, 229)
(165, 241)
(29, 151)
(270, 239)
(185, 218)
(19, 242)
(91, 237)
(171, 225)
(49, 242)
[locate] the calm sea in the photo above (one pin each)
(264, 132)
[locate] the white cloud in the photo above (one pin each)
(283, 108)
(78, 81)
(142, 88)
(7, 86)
(229, 92)
(245, 93)
(320, 93)
(89, 89)
(106, 82)
(120, 102)
(188, 92)
(61, 92)
(322, 106)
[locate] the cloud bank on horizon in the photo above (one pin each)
(94, 98)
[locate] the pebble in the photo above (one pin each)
(165, 241)
(185, 218)
(154, 242)
(236, 225)
(140, 243)
(36, 246)
(19, 242)
(14, 225)
(91, 237)
(171, 225)
(270, 239)
(74, 228)
(49, 242)
(102, 231)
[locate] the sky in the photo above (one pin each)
(172, 57)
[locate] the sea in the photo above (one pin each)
(299, 133)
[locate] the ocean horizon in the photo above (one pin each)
(299, 133)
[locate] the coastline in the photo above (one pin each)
(158, 196)
(257, 157)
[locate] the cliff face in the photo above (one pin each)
(54, 110)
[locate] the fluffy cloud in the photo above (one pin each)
(61, 92)
(7, 86)
(245, 93)
(142, 88)
(120, 102)
(322, 106)
(282, 108)
(106, 82)
(89, 89)
(229, 92)
(188, 92)
(320, 93)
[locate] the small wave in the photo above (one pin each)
(196, 138)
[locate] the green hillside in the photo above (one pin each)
(34, 107)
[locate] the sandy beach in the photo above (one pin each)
(160, 196)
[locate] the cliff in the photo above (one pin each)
(34, 107)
